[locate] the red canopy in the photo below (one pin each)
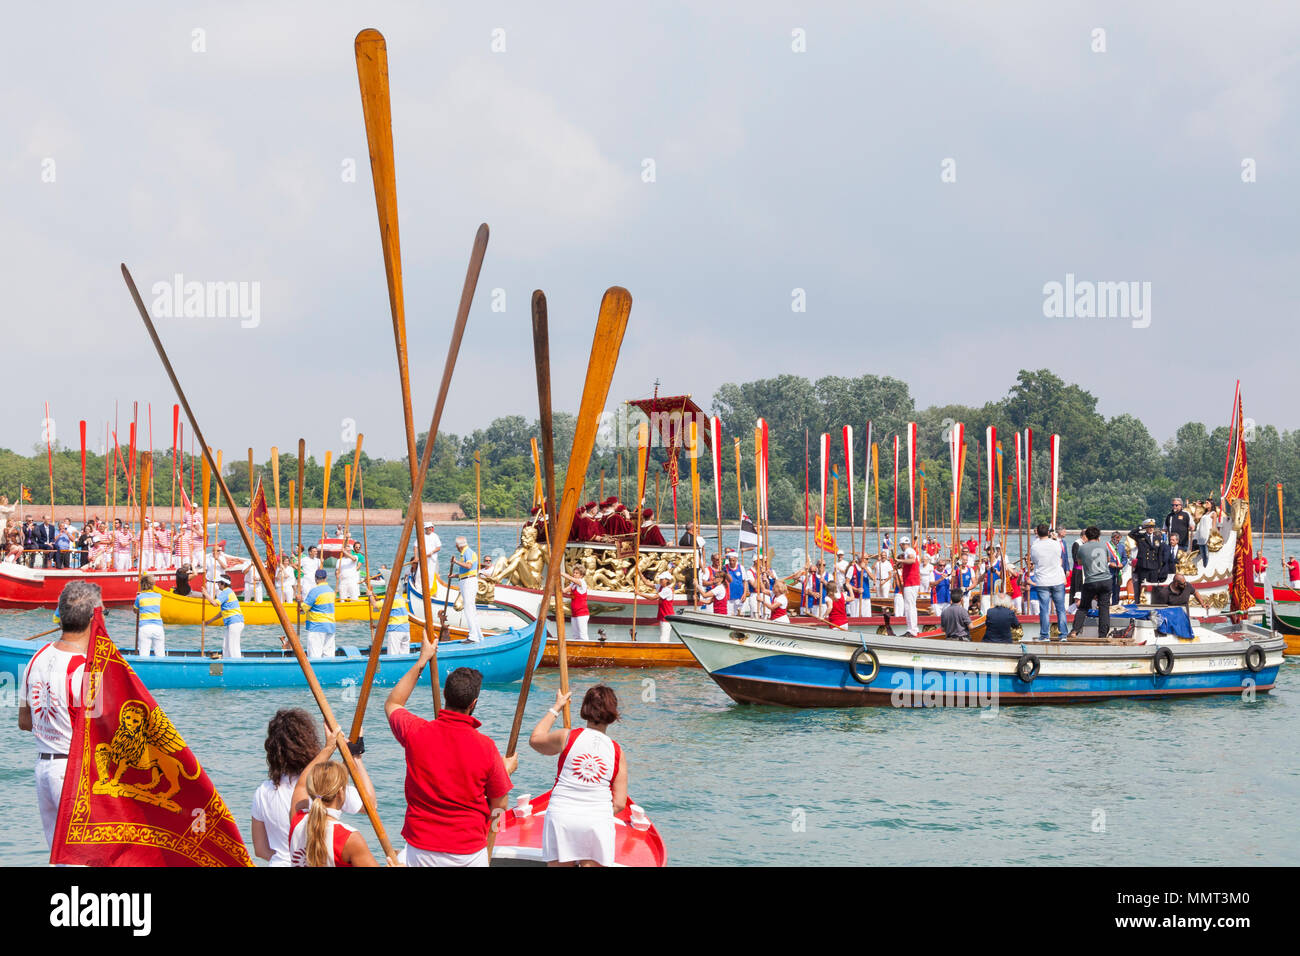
(668, 413)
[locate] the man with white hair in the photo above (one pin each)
(51, 690)
(910, 569)
(465, 571)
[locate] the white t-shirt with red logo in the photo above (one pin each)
(52, 689)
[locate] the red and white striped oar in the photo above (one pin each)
(866, 486)
(957, 442)
(1056, 474)
(715, 430)
(848, 473)
(990, 462)
(911, 474)
(1029, 477)
(824, 443)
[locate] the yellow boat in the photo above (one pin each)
(191, 609)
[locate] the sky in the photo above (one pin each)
(913, 175)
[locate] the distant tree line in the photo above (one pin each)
(1113, 472)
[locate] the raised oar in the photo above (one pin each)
(417, 489)
(302, 493)
(376, 107)
(330, 723)
(610, 326)
(542, 359)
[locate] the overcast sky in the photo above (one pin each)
(774, 170)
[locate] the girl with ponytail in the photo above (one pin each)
(317, 837)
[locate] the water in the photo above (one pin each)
(1196, 782)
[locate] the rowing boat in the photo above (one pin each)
(191, 609)
(26, 588)
(519, 840)
(500, 658)
(777, 663)
(602, 653)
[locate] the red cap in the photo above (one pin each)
(647, 512)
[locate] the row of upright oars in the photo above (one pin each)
(372, 72)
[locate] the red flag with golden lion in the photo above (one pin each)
(259, 523)
(135, 794)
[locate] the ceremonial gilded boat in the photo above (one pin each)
(519, 840)
(765, 663)
(500, 658)
(515, 581)
(24, 588)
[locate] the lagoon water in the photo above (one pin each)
(1197, 782)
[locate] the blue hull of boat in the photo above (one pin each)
(500, 658)
(925, 686)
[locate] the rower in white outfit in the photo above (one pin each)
(349, 577)
(465, 571)
(148, 618)
(590, 782)
(51, 688)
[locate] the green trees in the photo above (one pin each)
(1113, 471)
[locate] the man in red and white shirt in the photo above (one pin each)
(1261, 569)
(51, 696)
(456, 781)
(1293, 572)
(910, 568)
(665, 609)
(579, 612)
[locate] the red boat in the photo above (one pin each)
(24, 588)
(519, 842)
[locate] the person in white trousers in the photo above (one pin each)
(465, 570)
(51, 690)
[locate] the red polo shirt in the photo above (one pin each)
(452, 771)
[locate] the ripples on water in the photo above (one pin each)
(1195, 782)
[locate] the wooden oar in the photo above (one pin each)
(413, 512)
(330, 723)
(365, 551)
(376, 107)
(542, 359)
(302, 493)
(43, 634)
(610, 326)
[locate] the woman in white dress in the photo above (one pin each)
(590, 782)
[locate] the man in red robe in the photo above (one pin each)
(651, 536)
(617, 521)
(585, 527)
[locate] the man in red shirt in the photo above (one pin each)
(1293, 572)
(456, 781)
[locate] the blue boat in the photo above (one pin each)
(765, 662)
(500, 658)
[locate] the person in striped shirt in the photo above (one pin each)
(148, 618)
(231, 616)
(397, 634)
(318, 604)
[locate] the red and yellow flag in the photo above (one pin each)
(1238, 488)
(822, 536)
(135, 794)
(26, 493)
(259, 523)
